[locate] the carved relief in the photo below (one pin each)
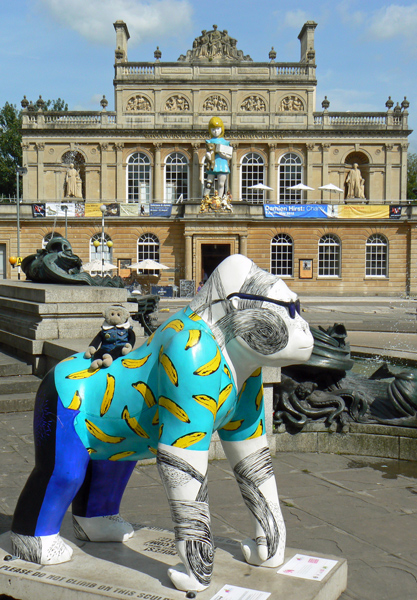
(291, 104)
(138, 103)
(253, 103)
(214, 45)
(177, 104)
(215, 103)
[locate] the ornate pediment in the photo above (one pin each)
(215, 46)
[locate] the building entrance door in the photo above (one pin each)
(211, 256)
(2, 261)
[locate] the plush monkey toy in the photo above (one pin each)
(115, 339)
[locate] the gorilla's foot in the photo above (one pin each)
(111, 528)
(44, 549)
(96, 364)
(183, 581)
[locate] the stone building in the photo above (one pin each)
(145, 160)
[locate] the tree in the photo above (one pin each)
(10, 143)
(412, 176)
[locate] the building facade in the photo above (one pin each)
(146, 161)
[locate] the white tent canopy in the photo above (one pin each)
(97, 265)
(148, 263)
(260, 186)
(331, 187)
(300, 186)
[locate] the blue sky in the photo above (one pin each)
(366, 50)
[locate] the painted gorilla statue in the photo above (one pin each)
(199, 372)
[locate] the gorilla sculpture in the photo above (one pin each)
(199, 372)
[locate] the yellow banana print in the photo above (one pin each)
(257, 372)
(258, 431)
(187, 440)
(226, 370)
(133, 424)
(68, 358)
(82, 374)
(224, 394)
(176, 324)
(242, 390)
(233, 425)
(210, 367)
(91, 450)
(100, 435)
(155, 420)
(108, 394)
(194, 317)
(153, 450)
(146, 392)
(208, 402)
(120, 455)
(150, 338)
(75, 402)
(259, 397)
(169, 368)
(174, 409)
(131, 363)
(194, 336)
(161, 428)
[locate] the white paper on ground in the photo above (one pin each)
(307, 567)
(233, 592)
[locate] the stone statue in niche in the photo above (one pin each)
(222, 154)
(253, 104)
(73, 184)
(199, 372)
(291, 104)
(177, 104)
(355, 183)
(138, 104)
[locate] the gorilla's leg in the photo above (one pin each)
(96, 506)
(60, 464)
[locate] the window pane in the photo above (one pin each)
(138, 178)
(252, 173)
(329, 256)
(376, 256)
(282, 255)
(290, 173)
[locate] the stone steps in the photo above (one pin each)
(18, 386)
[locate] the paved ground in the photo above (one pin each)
(364, 509)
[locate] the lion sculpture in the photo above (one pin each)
(200, 372)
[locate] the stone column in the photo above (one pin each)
(272, 172)
(25, 178)
(188, 257)
(103, 179)
(195, 173)
(158, 194)
(40, 147)
(121, 191)
(309, 170)
(234, 185)
(403, 190)
(325, 169)
(243, 244)
(388, 170)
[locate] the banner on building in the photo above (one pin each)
(92, 209)
(160, 210)
(298, 211)
(363, 211)
(395, 212)
(38, 210)
(129, 210)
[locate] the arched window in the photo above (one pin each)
(290, 173)
(138, 178)
(253, 171)
(102, 249)
(376, 256)
(282, 255)
(48, 237)
(148, 247)
(176, 177)
(329, 256)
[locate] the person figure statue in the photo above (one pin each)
(355, 183)
(222, 157)
(72, 183)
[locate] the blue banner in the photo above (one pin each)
(160, 210)
(298, 211)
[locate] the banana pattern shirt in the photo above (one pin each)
(177, 388)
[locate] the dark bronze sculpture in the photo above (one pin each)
(56, 263)
(324, 389)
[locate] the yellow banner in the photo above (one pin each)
(363, 211)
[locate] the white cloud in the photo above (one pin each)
(393, 21)
(295, 18)
(146, 20)
(349, 15)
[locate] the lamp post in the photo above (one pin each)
(19, 171)
(65, 209)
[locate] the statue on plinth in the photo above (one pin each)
(355, 183)
(218, 155)
(73, 183)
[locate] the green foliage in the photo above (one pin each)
(412, 176)
(10, 143)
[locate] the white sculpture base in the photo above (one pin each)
(138, 569)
